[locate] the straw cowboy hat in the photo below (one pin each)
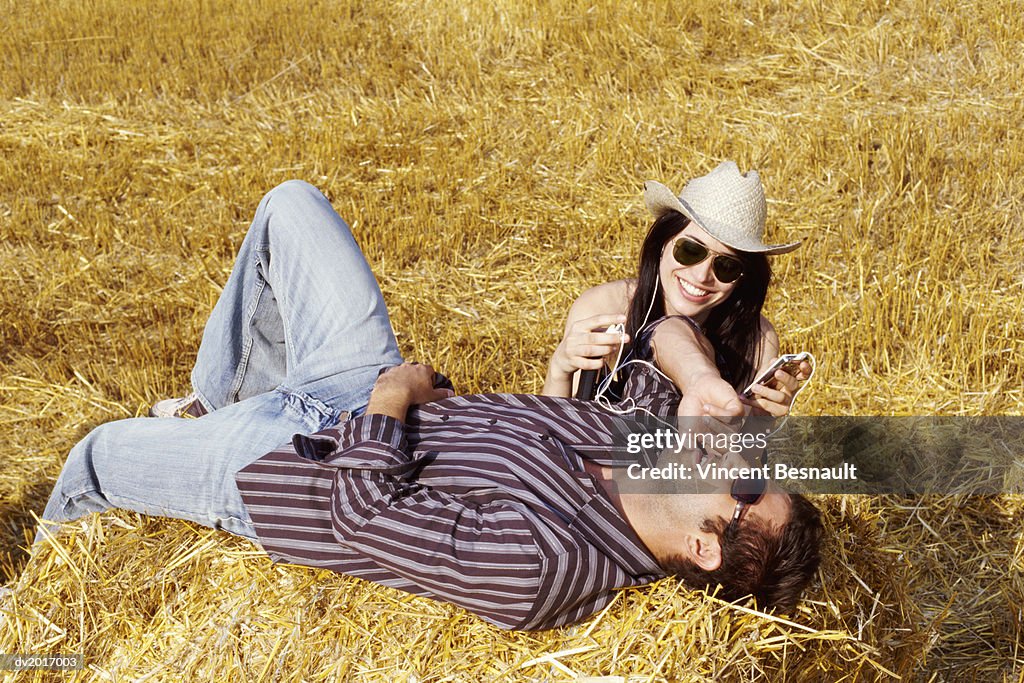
(728, 204)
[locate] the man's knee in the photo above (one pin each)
(77, 479)
(298, 214)
(80, 464)
(294, 194)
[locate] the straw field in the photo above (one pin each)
(490, 157)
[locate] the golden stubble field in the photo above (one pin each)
(490, 158)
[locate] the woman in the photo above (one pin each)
(695, 305)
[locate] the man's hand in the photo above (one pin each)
(709, 394)
(712, 408)
(404, 385)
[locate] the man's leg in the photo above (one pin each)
(180, 468)
(296, 339)
(301, 309)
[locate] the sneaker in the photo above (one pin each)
(188, 406)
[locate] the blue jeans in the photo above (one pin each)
(294, 343)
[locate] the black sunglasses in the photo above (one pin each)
(745, 492)
(689, 252)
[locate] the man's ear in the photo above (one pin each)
(704, 550)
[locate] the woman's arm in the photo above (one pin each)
(583, 346)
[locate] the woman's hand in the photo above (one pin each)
(776, 399)
(583, 347)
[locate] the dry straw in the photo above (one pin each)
(490, 159)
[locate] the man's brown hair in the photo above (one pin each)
(770, 563)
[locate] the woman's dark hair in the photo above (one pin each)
(733, 327)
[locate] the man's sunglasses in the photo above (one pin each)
(745, 492)
(689, 252)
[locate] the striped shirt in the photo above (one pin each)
(481, 501)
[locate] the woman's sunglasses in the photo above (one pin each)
(726, 268)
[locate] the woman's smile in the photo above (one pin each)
(693, 292)
(697, 289)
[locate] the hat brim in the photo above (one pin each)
(660, 200)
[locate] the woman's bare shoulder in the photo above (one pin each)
(768, 331)
(768, 349)
(609, 297)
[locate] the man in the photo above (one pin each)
(501, 504)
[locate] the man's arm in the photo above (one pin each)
(480, 555)
(687, 357)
